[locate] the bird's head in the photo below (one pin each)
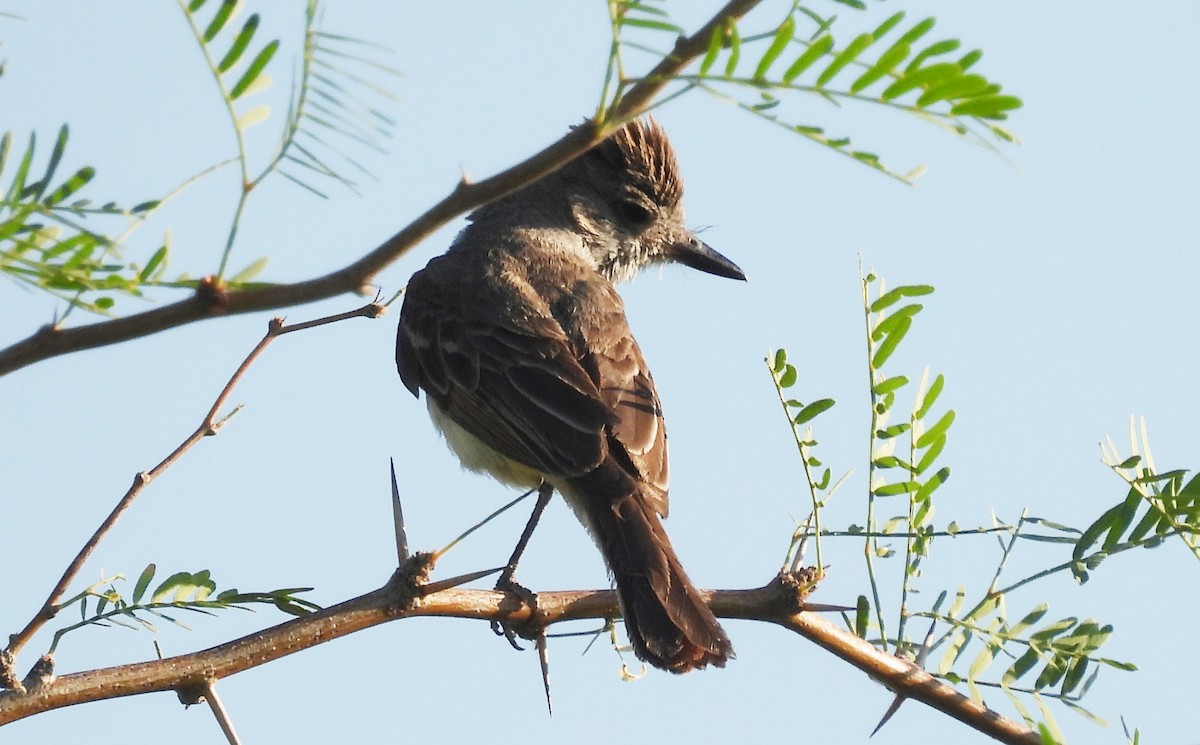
(626, 196)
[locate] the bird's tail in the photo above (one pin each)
(668, 622)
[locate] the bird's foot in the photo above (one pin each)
(527, 599)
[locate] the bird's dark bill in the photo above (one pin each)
(699, 255)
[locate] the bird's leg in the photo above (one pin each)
(506, 583)
(545, 491)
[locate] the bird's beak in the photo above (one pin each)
(697, 254)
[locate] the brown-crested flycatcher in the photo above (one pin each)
(520, 342)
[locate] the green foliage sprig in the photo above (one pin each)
(1159, 505)
(1061, 657)
(48, 235)
(892, 64)
(101, 604)
(800, 416)
(54, 238)
(887, 326)
(1062, 652)
(327, 98)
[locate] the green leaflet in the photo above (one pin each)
(845, 57)
(886, 63)
(987, 107)
(783, 37)
(254, 69)
(817, 49)
(240, 42)
(219, 20)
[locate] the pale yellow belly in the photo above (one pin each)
(478, 457)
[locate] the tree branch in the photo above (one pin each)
(211, 300)
(781, 602)
(906, 679)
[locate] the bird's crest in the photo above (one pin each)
(642, 149)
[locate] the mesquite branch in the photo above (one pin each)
(779, 602)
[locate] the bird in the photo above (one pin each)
(519, 340)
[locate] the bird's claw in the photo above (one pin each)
(527, 597)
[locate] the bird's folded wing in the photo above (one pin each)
(625, 384)
(560, 402)
(514, 383)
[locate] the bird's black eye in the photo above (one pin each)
(634, 213)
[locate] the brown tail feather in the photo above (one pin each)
(668, 622)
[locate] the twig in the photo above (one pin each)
(215, 300)
(208, 426)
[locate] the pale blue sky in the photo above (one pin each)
(1065, 274)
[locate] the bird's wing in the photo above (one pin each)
(511, 378)
(552, 382)
(615, 361)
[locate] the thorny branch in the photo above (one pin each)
(780, 602)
